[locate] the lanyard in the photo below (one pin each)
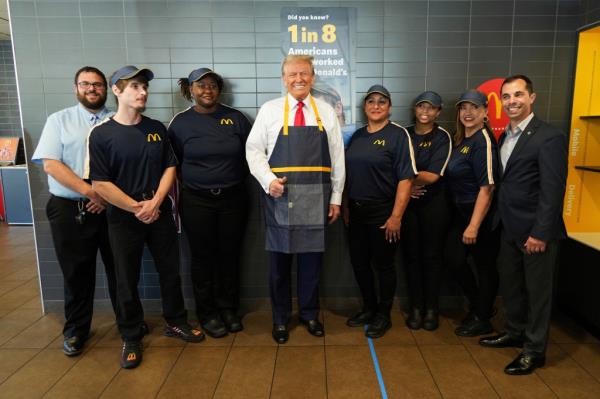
(286, 112)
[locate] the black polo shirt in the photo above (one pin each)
(133, 157)
(432, 153)
(210, 147)
(376, 162)
(473, 164)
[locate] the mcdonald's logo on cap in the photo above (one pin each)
(226, 121)
(153, 137)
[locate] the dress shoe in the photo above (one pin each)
(280, 333)
(314, 327)
(415, 319)
(431, 320)
(501, 341)
(525, 363)
(360, 319)
(214, 328)
(474, 328)
(378, 326)
(73, 346)
(232, 321)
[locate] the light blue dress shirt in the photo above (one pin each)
(510, 141)
(64, 139)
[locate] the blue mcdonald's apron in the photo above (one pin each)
(296, 221)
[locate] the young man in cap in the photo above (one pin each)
(132, 166)
(300, 167)
(533, 177)
(75, 210)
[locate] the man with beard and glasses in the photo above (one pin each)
(75, 210)
(132, 166)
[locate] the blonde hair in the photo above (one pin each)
(292, 58)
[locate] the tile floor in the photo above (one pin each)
(414, 364)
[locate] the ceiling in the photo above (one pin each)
(4, 28)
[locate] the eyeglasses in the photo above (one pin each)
(86, 85)
(206, 86)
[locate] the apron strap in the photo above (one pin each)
(286, 112)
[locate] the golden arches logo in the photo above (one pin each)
(226, 121)
(153, 137)
(465, 150)
(379, 142)
(497, 103)
(131, 356)
(425, 144)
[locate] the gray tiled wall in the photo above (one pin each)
(409, 46)
(10, 124)
(592, 11)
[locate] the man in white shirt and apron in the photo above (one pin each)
(295, 151)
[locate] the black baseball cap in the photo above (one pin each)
(128, 72)
(474, 97)
(378, 89)
(430, 97)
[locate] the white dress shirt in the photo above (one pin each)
(269, 123)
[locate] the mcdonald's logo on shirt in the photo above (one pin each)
(226, 121)
(153, 137)
(379, 142)
(425, 144)
(465, 150)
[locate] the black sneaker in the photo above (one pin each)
(131, 355)
(185, 332)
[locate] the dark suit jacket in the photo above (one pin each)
(532, 185)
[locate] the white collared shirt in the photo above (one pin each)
(511, 138)
(265, 131)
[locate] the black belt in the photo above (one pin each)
(215, 192)
(74, 200)
(145, 196)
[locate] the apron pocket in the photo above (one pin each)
(306, 204)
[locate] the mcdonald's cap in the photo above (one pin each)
(474, 97)
(378, 89)
(430, 97)
(199, 73)
(128, 72)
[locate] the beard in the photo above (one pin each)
(95, 105)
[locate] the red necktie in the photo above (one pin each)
(299, 118)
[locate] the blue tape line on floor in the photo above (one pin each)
(377, 369)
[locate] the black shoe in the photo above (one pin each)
(185, 332)
(474, 328)
(232, 321)
(360, 319)
(415, 319)
(214, 328)
(525, 363)
(314, 327)
(431, 320)
(501, 341)
(378, 326)
(280, 333)
(131, 355)
(73, 346)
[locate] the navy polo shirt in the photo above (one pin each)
(210, 148)
(473, 164)
(133, 157)
(432, 153)
(376, 162)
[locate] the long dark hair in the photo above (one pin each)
(459, 135)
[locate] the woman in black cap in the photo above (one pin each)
(209, 140)
(425, 221)
(471, 176)
(380, 167)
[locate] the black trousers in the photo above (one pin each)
(479, 284)
(280, 287)
(368, 247)
(127, 238)
(215, 226)
(527, 282)
(424, 231)
(76, 247)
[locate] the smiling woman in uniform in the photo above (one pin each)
(209, 139)
(471, 177)
(380, 168)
